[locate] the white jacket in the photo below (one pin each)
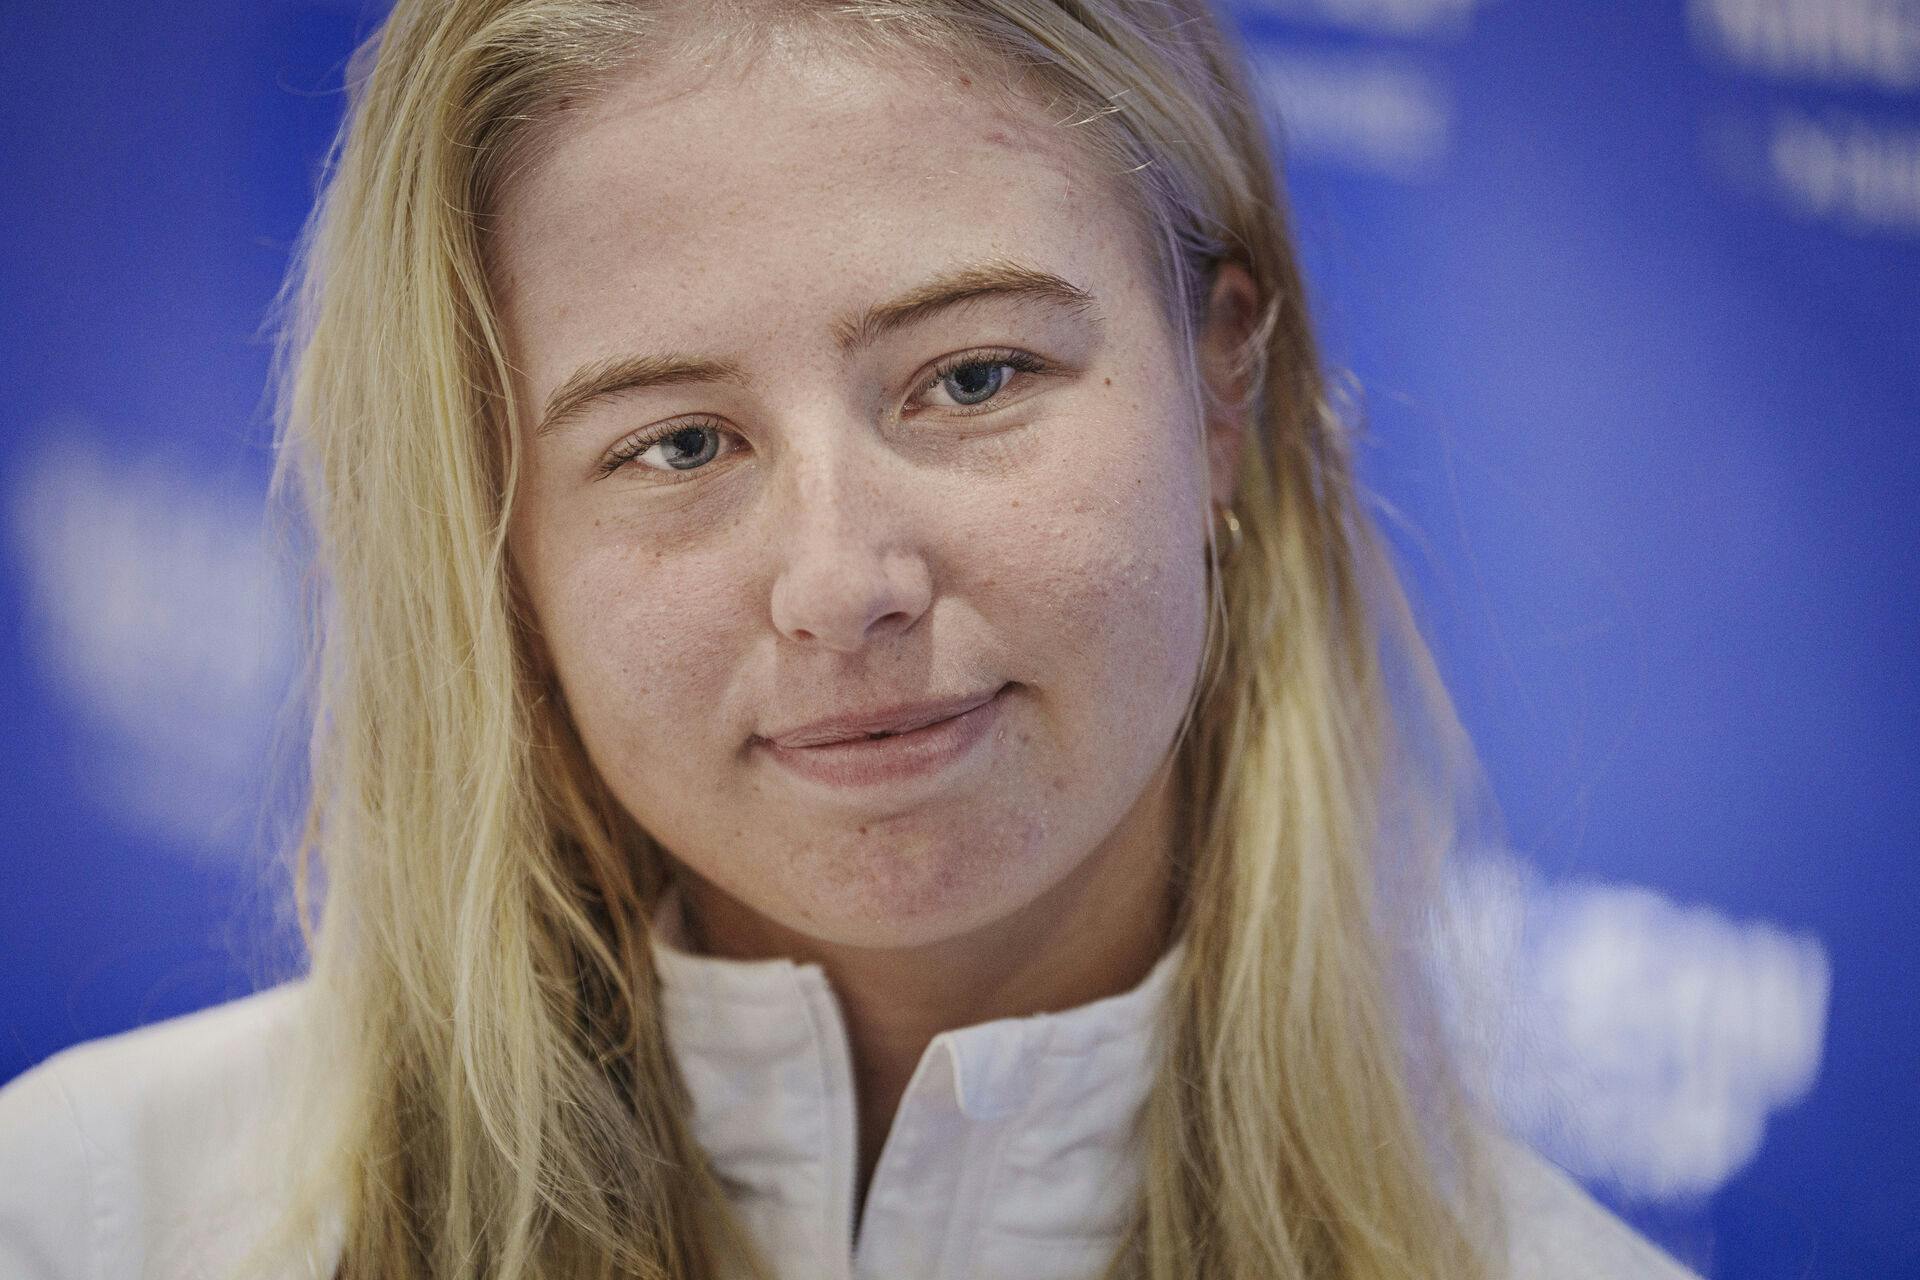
(1010, 1156)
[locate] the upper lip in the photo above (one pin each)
(895, 719)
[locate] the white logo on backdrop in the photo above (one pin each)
(1841, 168)
(1645, 1043)
(1378, 113)
(157, 613)
(1867, 42)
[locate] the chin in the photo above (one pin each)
(905, 896)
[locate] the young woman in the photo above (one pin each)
(854, 729)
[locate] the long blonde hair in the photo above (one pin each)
(495, 1096)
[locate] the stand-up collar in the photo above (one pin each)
(1014, 1151)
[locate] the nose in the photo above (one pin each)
(848, 570)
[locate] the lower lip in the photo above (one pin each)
(867, 762)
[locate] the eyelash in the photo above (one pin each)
(1024, 362)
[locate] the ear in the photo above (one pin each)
(1233, 309)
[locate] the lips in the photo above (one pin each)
(855, 770)
(881, 722)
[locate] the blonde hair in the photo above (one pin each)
(495, 1096)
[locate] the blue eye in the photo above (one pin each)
(690, 440)
(686, 446)
(977, 377)
(974, 383)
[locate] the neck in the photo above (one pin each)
(1096, 933)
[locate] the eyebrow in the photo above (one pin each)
(991, 278)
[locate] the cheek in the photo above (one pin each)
(1116, 592)
(635, 642)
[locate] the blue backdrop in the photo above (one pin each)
(1630, 297)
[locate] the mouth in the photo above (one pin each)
(879, 724)
(861, 758)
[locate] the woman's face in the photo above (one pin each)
(845, 390)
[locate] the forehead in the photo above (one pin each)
(741, 198)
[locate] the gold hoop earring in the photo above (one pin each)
(1231, 523)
